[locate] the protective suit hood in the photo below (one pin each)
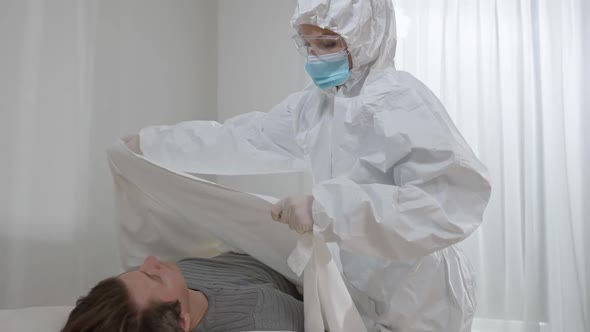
(367, 26)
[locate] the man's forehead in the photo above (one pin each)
(138, 285)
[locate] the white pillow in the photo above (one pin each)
(34, 319)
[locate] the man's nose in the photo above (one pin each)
(151, 262)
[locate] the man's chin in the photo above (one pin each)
(170, 265)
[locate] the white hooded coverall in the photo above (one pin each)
(395, 184)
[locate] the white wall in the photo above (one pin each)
(76, 75)
(258, 67)
(585, 18)
(168, 57)
(156, 64)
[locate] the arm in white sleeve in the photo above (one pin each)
(416, 218)
(436, 198)
(252, 143)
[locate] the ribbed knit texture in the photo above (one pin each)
(243, 295)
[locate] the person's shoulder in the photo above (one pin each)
(393, 89)
(391, 79)
(294, 100)
(409, 81)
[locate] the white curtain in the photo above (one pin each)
(75, 76)
(509, 72)
(44, 128)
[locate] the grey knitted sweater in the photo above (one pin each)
(243, 295)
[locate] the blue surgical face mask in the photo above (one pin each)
(328, 71)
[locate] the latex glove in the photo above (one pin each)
(132, 142)
(294, 211)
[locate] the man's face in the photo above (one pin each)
(156, 281)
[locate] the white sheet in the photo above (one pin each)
(162, 204)
(180, 203)
(177, 203)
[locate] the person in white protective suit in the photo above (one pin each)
(396, 187)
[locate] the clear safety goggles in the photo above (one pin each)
(319, 45)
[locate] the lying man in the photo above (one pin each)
(230, 292)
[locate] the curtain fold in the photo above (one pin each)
(509, 73)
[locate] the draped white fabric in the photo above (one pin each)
(509, 72)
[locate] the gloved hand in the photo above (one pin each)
(132, 142)
(294, 211)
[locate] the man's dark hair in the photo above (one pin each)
(108, 307)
